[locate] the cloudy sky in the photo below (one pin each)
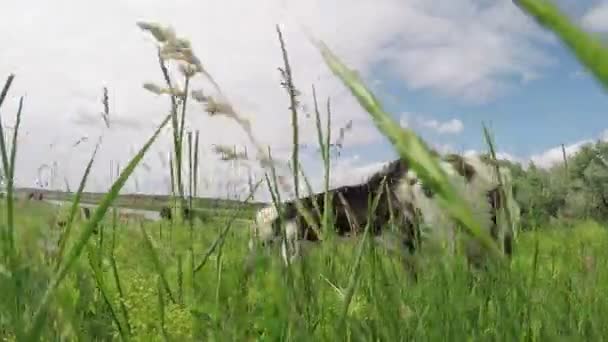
(440, 67)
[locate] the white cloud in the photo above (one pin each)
(349, 171)
(596, 19)
(579, 74)
(465, 48)
(554, 155)
(549, 157)
(462, 49)
(544, 160)
(453, 126)
(501, 155)
(508, 156)
(404, 120)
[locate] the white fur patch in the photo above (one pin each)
(437, 224)
(447, 168)
(291, 240)
(411, 175)
(261, 228)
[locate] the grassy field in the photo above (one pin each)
(108, 277)
(555, 289)
(140, 201)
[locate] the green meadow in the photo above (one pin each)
(112, 276)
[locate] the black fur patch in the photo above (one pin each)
(358, 199)
(463, 168)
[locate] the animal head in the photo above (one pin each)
(393, 172)
(476, 182)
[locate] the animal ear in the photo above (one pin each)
(461, 166)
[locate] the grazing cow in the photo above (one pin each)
(350, 206)
(412, 203)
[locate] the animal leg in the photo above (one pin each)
(290, 246)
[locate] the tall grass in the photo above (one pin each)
(343, 290)
(411, 148)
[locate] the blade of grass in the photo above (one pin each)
(223, 234)
(411, 148)
(291, 91)
(180, 280)
(39, 317)
(157, 264)
(324, 146)
(176, 138)
(8, 233)
(161, 310)
(276, 200)
(11, 183)
(94, 262)
(121, 295)
(501, 186)
(354, 275)
(195, 170)
(76, 201)
(587, 49)
(6, 168)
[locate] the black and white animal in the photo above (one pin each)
(476, 182)
(346, 218)
(412, 203)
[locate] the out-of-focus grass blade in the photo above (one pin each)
(6, 167)
(94, 262)
(121, 295)
(410, 147)
(7, 232)
(352, 282)
(586, 48)
(501, 181)
(10, 184)
(102, 208)
(220, 239)
(75, 204)
(157, 264)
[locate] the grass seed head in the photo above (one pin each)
(228, 153)
(160, 33)
(176, 91)
(199, 96)
(214, 107)
(188, 70)
(151, 87)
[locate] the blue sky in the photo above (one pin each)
(563, 105)
(441, 66)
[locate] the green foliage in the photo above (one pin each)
(583, 190)
(578, 192)
(553, 289)
(144, 285)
